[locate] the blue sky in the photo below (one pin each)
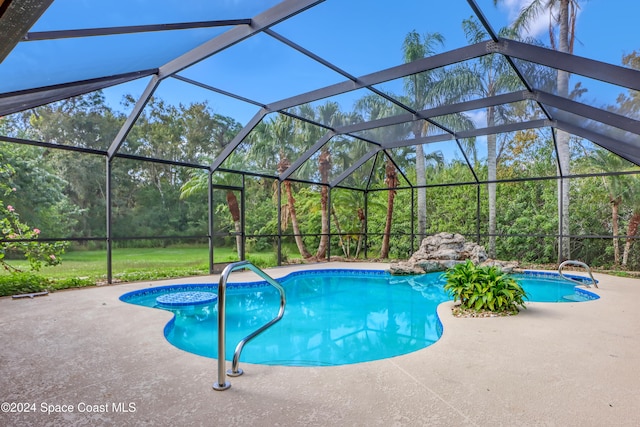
(606, 29)
(604, 33)
(360, 36)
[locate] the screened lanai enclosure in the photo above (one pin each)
(311, 130)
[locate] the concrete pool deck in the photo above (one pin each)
(90, 359)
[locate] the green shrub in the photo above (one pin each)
(484, 288)
(73, 282)
(263, 261)
(22, 283)
(166, 273)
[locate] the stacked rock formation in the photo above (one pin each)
(443, 251)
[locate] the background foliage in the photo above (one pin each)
(63, 193)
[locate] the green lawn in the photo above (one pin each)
(177, 260)
(88, 268)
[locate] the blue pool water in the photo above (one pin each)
(549, 287)
(332, 317)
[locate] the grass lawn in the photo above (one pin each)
(142, 262)
(88, 268)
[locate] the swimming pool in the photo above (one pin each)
(333, 317)
(549, 287)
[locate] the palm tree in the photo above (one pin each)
(373, 107)
(606, 161)
(488, 76)
(391, 179)
(562, 14)
(199, 184)
(283, 165)
(633, 190)
(330, 115)
(278, 136)
(420, 94)
(424, 90)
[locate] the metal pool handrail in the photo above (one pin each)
(221, 384)
(580, 264)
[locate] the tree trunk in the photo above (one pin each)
(283, 164)
(392, 182)
(421, 182)
(335, 219)
(297, 235)
(631, 232)
(324, 166)
(615, 203)
(492, 161)
(363, 224)
(563, 195)
(234, 209)
(562, 138)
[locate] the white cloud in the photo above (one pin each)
(478, 117)
(537, 28)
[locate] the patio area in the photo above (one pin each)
(90, 359)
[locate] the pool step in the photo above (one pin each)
(573, 297)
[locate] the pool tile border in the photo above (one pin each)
(195, 287)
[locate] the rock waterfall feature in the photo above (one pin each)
(442, 251)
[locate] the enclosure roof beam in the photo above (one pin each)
(404, 176)
(335, 68)
(272, 16)
(260, 22)
(14, 102)
(628, 151)
(587, 111)
(483, 20)
(220, 91)
(133, 116)
(421, 65)
(511, 127)
(467, 161)
(306, 156)
(494, 36)
(362, 160)
(16, 18)
(309, 54)
(130, 29)
(436, 111)
(417, 141)
(52, 145)
(237, 140)
(614, 74)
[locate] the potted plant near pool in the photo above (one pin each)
(483, 291)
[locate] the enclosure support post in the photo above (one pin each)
(413, 230)
(366, 224)
(478, 214)
(210, 220)
(279, 223)
(108, 214)
(329, 224)
(243, 238)
(560, 218)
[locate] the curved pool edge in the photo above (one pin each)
(442, 312)
(585, 291)
(556, 275)
(126, 297)
(168, 327)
